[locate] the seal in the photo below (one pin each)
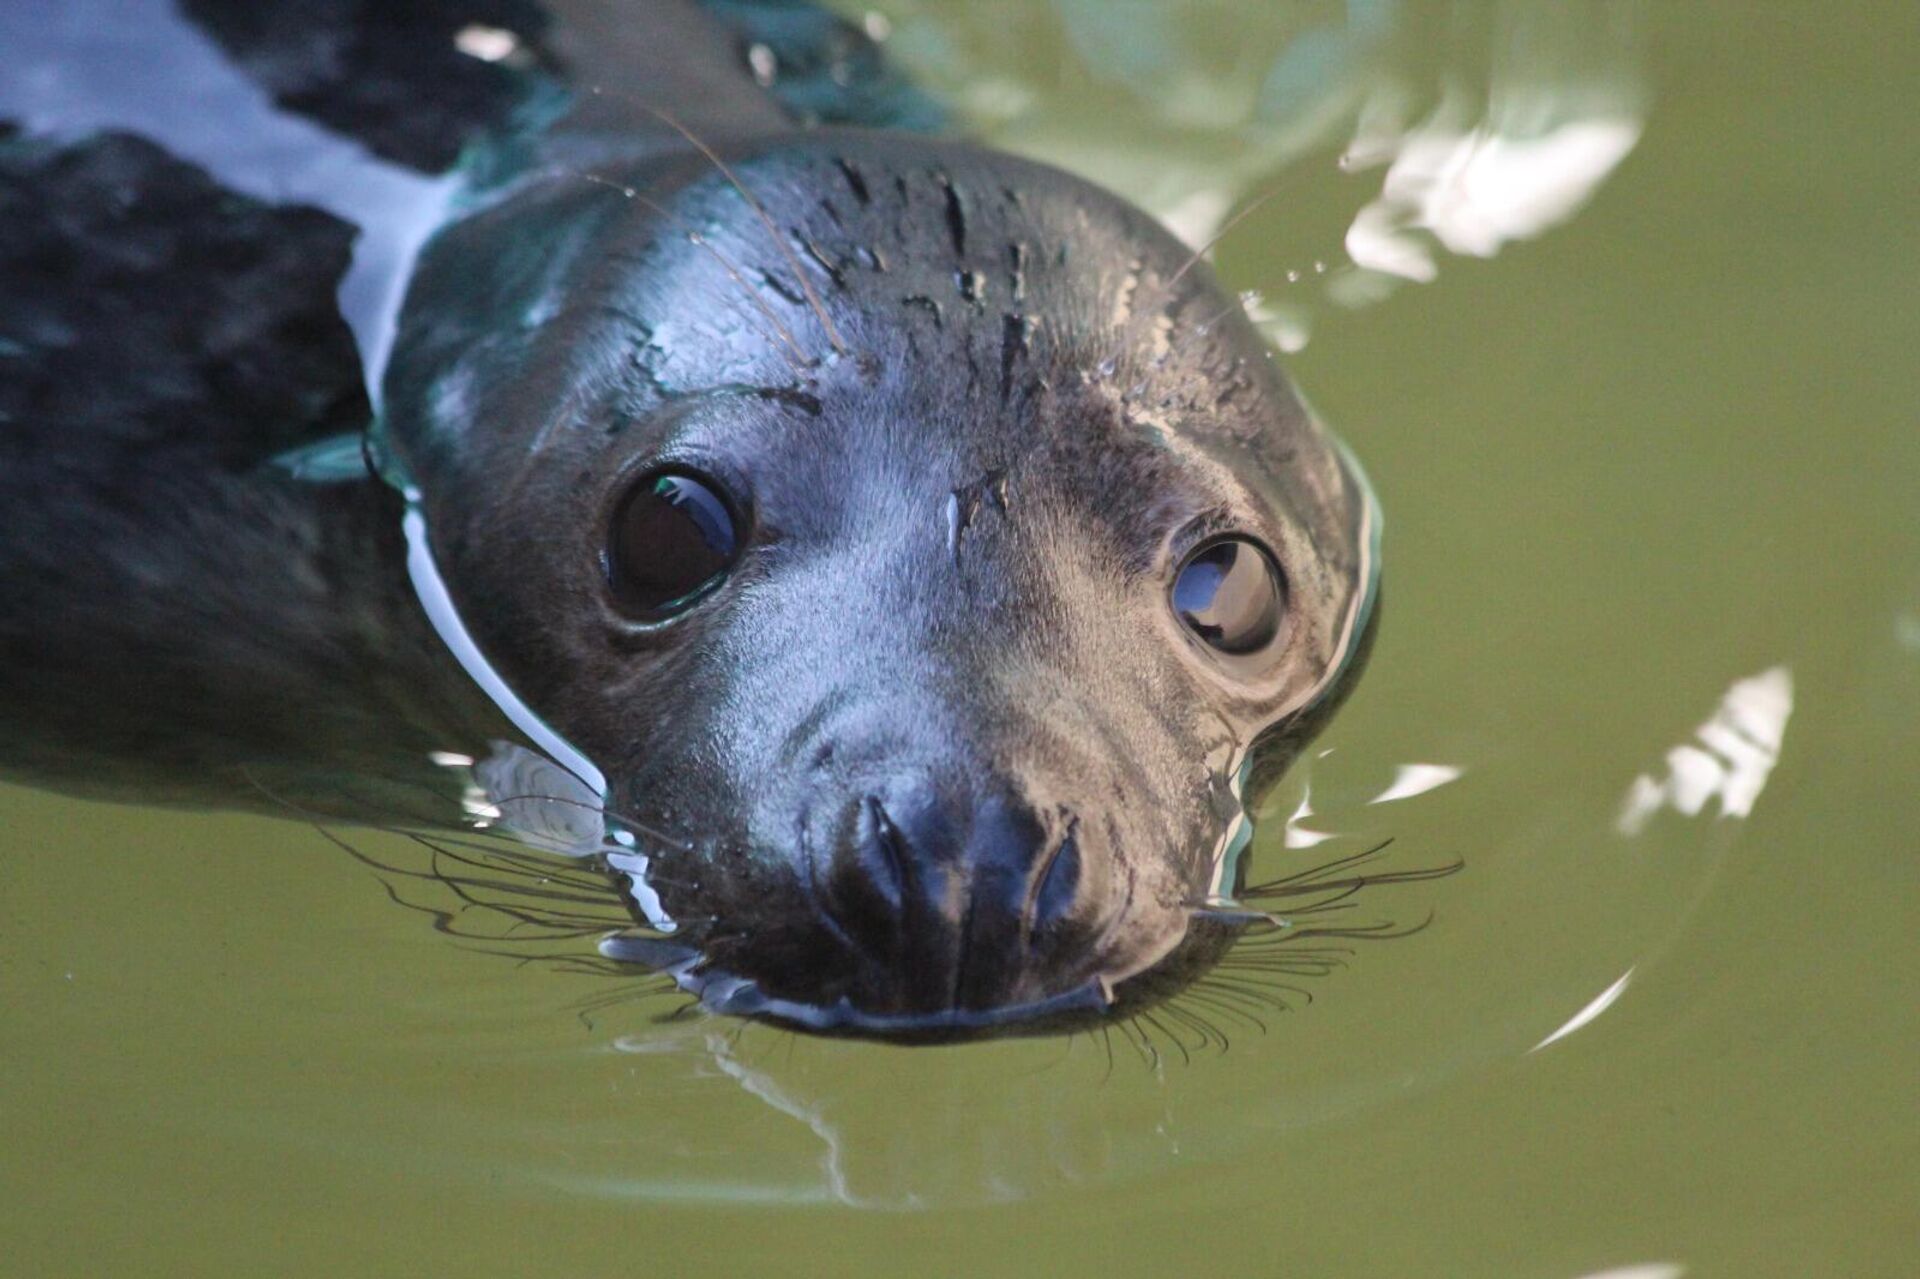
(916, 561)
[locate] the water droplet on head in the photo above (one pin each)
(488, 44)
(765, 65)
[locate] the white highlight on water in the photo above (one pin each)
(1299, 836)
(1477, 188)
(1417, 779)
(1585, 1017)
(541, 804)
(1730, 759)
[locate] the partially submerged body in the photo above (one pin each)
(910, 561)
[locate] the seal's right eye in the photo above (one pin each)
(672, 542)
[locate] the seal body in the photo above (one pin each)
(1027, 565)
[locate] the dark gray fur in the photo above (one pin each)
(938, 756)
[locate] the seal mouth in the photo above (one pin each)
(730, 994)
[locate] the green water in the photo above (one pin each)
(1660, 456)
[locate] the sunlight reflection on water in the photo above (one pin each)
(1730, 760)
(1521, 122)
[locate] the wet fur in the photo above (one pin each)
(241, 637)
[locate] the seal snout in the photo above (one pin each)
(954, 897)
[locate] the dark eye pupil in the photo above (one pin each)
(1228, 594)
(673, 541)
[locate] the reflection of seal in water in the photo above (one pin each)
(927, 556)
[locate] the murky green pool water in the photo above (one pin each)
(1652, 624)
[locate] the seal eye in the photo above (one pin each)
(673, 541)
(1229, 594)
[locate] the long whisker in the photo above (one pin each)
(1186, 1058)
(1165, 291)
(628, 993)
(1355, 883)
(1247, 210)
(1207, 1031)
(561, 873)
(463, 886)
(1213, 1003)
(1338, 863)
(592, 891)
(1142, 1045)
(1385, 930)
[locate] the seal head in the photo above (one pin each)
(931, 556)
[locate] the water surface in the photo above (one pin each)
(1649, 664)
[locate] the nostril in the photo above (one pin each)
(954, 895)
(867, 882)
(883, 859)
(1056, 882)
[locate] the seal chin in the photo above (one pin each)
(842, 1017)
(822, 986)
(728, 993)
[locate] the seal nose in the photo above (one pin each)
(953, 897)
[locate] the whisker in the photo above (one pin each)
(1248, 984)
(1226, 228)
(584, 966)
(1168, 287)
(1324, 954)
(632, 993)
(1271, 964)
(1338, 900)
(1354, 883)
(1230, 991)
(1186, 1058)
(1207, 1031)
(464, 888)
(1221, 1006)
(1149, 1055)
(1338, 863)
(609, 898)
(680, 1012)
(512, 857)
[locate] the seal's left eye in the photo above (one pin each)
(1229, 594)
(672, 542)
